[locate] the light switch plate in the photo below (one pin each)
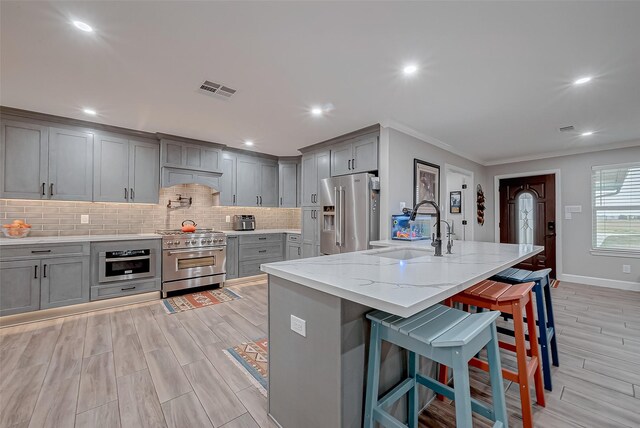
(228, 219)
(84, 219)
(299, 325)
(626, 268)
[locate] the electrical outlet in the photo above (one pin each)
(299, 325)
(228, 219)
(626, 268)
(84, 219)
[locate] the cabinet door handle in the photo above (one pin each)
(257, 200)
(349, 164)
(262, 238)
(280, 200)
(133, 194)
(40, 251)
(127, 288)
(44, 271)
(234, 199)
(260, 200)
(126, 194)
(43, 191)
(298, 250)
(262, 251)
(353, 163)
(35, 272)
(51, 189)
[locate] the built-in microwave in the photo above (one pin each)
(121, 265)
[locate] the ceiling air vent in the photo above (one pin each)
(217, 89)
(567, 128)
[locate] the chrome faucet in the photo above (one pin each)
(449, 236)
(436, 240)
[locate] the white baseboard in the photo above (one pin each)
(600, 282)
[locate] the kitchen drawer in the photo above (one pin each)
(109, 291)
(252, 267)
(294, 237)
(261, 238)
(260, 251)
(43, 251)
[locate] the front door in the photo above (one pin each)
(528, 216)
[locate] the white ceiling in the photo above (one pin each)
(494, 79)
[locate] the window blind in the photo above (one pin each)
(616, 207)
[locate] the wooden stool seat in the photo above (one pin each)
(510, 299)
(447, 336)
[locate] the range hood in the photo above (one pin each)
(174, 176)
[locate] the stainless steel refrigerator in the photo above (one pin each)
(350, 216)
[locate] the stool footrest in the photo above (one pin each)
(442, 389)
(386, 419)
(397, 392)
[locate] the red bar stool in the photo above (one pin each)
(510, 299)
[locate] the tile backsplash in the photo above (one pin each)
(62, 218)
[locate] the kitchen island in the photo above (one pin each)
(316, 375)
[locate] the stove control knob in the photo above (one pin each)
(193, 241)
(176, 242)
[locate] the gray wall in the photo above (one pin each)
(575, 189)
(397, 152)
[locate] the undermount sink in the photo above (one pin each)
(402, 254)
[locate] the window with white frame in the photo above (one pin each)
(616, 207)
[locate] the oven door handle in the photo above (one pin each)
(127, 259)
(195, 251)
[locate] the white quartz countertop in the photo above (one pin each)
(38, 240)
(402, 287)
(260, 231)
(422, 243)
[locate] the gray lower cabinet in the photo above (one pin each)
(294, 246)
(20, 286)
(42, 277)
(254, 250)
(64, 281)
(232, 257)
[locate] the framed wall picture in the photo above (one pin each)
(426, 184)
(455, 202)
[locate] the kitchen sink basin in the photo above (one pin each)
(402, 253)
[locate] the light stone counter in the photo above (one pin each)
(41, 240)
(260, 231)
(402, 287)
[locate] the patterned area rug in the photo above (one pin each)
(253, 359)
(187, 302)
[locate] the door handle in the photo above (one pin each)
(133, 194)
(341, 194)
(40, 251)
(262, 251)
(260, 200)
(44, 271)
(353, 163)
(51, 189)
(43, 191)
(126, 194)
(257, 200)
(35, 272)
(280, 200)
(337, 227)
(234, 199)
(349, 164)
(127, 288)
(298, 250)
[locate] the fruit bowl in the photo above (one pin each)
(17, 229)
(15, 232)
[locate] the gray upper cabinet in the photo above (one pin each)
(20, 286)
(175, 176)
(24, 151)
(64, 281)
(178, 154)
(268, 184)
(228, 195)
(247, 177)
(287, 187)
(70, 165)
(111, 169)
(144, 172)
(126, 170)
(315, 167)
(354, 156)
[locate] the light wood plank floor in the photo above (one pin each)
(139, 367)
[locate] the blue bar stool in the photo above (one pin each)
(544, 308)
(447, 336)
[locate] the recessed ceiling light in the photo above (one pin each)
(410, 69)
(586, 134)
(83, 26)
(582, 80)
(317, 111)
(248, 143)
(89, 111)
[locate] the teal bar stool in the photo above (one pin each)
(447, 336)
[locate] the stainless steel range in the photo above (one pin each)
(192, 259)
